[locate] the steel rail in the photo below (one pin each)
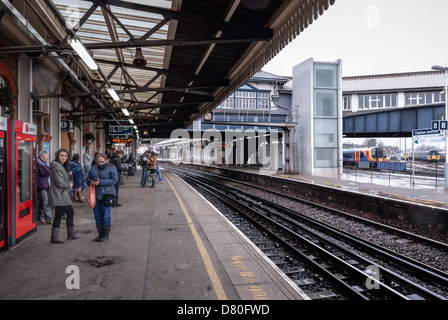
(356, 242)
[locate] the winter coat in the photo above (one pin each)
(153, 163)
(43, 172)
(86, 159)
(76, 169)
(58, 194)
(116, 160)
(108, 176)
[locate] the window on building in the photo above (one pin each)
(263, 100)
(363, 102)
(228, 103)
(376, 101)
(245, 100)
(414, 98)
(438, 97)
(326, 103)
(347, 103)
(390, 100)
(325, 76)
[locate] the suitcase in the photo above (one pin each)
(131, 170)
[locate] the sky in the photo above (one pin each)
(372, 37)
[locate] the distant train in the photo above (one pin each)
(364, 157)
(430, 155)
(405, 156)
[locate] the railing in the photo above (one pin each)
(392, 170)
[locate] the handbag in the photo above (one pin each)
(122, 179)
(108, 198)
(92, 195)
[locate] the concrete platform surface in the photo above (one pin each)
(166, 243)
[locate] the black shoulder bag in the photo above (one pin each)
(108, 198)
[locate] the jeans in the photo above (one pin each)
(159, 174)
(44, 211)
(102, 214)
(144, 176)
(86, 171)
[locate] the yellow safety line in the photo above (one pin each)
(200, 245)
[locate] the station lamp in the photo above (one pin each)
(113, 94)
(125, 112)
(81, 50)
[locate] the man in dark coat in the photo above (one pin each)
(115, 159)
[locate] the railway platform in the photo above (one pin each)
(423, 190)
(166, 243)
(423, 204)
(395, 187)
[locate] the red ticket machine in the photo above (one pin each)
(3, 186)
(21, 177)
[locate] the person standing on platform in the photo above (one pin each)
(86, 159)
(159, 174)
(59, 196)
(144, 163)
(76, 170)
(153, 168)
(43, 173)
(104, 176)
(115, 159)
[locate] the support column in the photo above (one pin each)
(25, 85)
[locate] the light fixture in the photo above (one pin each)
(131, 121)
(113, 94)
(439, 68)
(125, 112)
(135, 127)
(81, 50)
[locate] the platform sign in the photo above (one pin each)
(425, 132)
(120, 131)
(439, 125)
(66, 125)
(427, 135)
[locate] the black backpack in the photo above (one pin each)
(141, 163)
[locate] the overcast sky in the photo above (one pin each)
(372, 37)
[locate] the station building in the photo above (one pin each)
(392, 105)
(262, 104)
(316, 107)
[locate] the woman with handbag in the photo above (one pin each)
(103, 176)
(59, 197)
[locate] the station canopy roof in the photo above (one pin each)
(197, 52)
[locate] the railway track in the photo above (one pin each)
(326, 262)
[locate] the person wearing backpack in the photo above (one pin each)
(153, 168)
(115, 159)
(144, 162)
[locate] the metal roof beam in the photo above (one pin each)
(167, 13)
(193, 91)
(174, 42)
(128, 65)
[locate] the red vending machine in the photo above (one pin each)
(21, 180)
(3, 186)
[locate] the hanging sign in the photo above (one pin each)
(120, 130)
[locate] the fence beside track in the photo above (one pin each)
(430, 217)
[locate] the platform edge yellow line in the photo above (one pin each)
(203, 251)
